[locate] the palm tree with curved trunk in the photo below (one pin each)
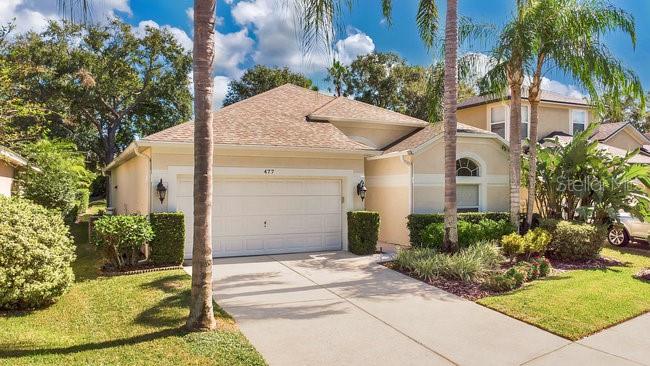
(201, 317)
(568, 36)
(317, 18)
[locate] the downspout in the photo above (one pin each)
(139, 154)
(409, 161)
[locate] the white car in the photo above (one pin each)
(629, 228)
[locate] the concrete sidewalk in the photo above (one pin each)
(340, 309)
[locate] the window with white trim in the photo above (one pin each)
(498, 120)
(466, 168)
(578, 120)
(467, 197)
(525, 121)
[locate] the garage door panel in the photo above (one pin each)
(300, 215)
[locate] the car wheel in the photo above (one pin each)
(618, 236)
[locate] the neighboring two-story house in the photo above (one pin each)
(558, 116)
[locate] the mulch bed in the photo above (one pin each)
(474, 291)
(469, 291)
(599, 263)
(643, 275)
(131, 270)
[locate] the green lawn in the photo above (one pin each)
(126, 320)
(575, 304)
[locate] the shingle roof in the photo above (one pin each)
(606, 130)
(427, 133)
(547, 96)
(273, 118)
(343, 108)
(637, 159)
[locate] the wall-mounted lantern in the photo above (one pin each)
(361, 189)
(162, 191)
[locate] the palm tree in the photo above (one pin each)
(450, 242)
(317, 19)
(201, 316)
(201, 313)
(567, 35)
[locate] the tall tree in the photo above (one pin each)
(510, 53)
(568, 35)
(450, 103)
(336, 75)
(103, 85)
(201, 316)
(259, 79)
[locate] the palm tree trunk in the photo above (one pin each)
(201, 316)
(515, 146)
(450, 104)
(532, 159)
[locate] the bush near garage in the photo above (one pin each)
(417, 223)
(36, 252)
(120, 237)
(469, 233)
(575, 241)
(363, 231)
(168, 241)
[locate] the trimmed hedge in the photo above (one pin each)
(418, 222)
(363, 231)
(469, 233)
(169, 237)
(36, 253)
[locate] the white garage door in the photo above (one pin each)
(268, 216)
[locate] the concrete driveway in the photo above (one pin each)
(340, 309)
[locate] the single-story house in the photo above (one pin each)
(10, 162)
(289, 163)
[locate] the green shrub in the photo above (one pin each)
(470, 264)
(468, 232)
(501, 283)
(169, 237)
(576, 241)
(544, 266)
(363, 232)
(512, 245)
(536, 241)
(36, 252)
(62, 173)
(548, 224)
(121, 237)
(418, 222)
(83, 200)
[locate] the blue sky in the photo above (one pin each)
(263, 31)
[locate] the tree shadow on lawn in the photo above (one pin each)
(16, 353)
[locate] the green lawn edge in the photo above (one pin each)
(576, 304)
(122, 320)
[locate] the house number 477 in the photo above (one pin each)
(269, 171)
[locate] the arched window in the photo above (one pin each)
(466, 168)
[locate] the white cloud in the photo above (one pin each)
(230, 51)
(33, 15)
(356, 44)
(183, 39)
(219, 90)
(277, 35)
(561, 88)
(190, 13)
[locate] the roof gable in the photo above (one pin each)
(344, 109)
(547, 96)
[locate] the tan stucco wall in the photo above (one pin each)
(389, 193)
(6, 178)
(624, 140)
(165, 157)
(132, 182)
(552, 117)
(428, 192)
(474, 116)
